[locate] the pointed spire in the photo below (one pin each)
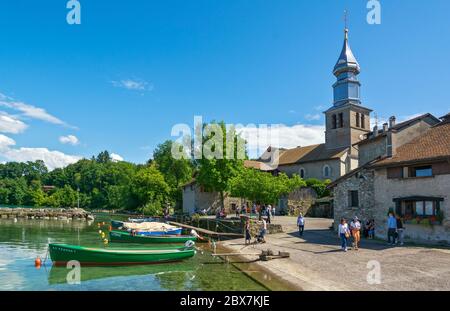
(346, 61)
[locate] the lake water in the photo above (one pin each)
(22, 241)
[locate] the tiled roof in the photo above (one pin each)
(401, 126)
(257, 165)
(309, 154)
(433, 144)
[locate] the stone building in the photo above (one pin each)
(384, 141)
(196, 199)
(413, 182)
(347, 122)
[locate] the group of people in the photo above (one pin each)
(395, 234)
(345, 231)
(260, 238)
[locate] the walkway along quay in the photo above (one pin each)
(46, 213)
(316, 261)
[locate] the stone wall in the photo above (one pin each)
(389, 189)
(195, 200)
(376, 195)
(46, 213)
(298, 201)
(315, 169)
(362, 182)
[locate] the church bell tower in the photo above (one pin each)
(347, 120)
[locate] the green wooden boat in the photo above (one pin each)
(123, 236)
(60, 254)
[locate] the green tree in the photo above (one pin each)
(263, 187)
(319, 186)
(218, 169)
(176, 171)
(149, 186)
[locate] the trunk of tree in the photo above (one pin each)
(222, 200)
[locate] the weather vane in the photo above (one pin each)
(346, 18)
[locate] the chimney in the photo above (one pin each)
(392, 122)
(445, 119)
(375, 131)
(385, 127)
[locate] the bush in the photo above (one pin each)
(152, 209)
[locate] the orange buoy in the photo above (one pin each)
(37, 262)
(110, 228)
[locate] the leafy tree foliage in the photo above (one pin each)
(176, 171)
(319, 186)
(215, 173)
(263, 187)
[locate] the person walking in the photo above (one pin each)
(392, 228)
(344, 234)
(269, 213)
(300, 224)
(355, 227)
(400, 230)
(273, 212)
(248, 236)
(262, 232)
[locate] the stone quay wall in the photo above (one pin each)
(46, 213)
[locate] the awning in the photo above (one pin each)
(418, 198)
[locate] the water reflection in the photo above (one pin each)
(22, 241)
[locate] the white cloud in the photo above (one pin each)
(313, 117)
(30, 111)
(6, 142)
(134, 85)
(52, 159)
(115, 157)
(10, 124)
(320, 108)
(69, 139)
(282, 136)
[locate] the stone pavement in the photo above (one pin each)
(317, 263)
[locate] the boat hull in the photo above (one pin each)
(158, 233)
(116, 223)
(119, 236)
(61, 254)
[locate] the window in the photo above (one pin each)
(357, 120)
(302, 172)
(422, 171)
(363, 121)
(410, 209)
(334, 121)
(341, 120)
(353, 198)
(326, 171)
(428, 208)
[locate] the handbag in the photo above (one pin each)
(347, 234)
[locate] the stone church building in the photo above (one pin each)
(347, 122)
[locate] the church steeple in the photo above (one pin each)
(346, 61)
(346, 70)
(347, 121)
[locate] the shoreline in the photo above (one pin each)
(317, 263)
(252, 267)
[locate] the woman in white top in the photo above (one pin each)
(343, 233)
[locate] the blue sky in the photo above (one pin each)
(133, 69)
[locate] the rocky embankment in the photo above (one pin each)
(46, 213)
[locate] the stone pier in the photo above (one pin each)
(46, 213)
